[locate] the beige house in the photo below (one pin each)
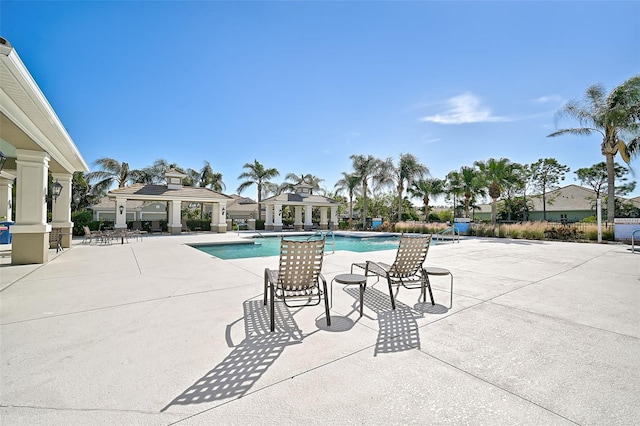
(242, 208)
(570, 203)
(36, 145)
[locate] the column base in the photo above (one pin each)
(220, 229)
(30, 248)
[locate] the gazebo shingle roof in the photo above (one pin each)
(162, 191)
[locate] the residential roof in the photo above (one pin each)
(291, 198)
(568, 198)
(242, 204)
(162, 192)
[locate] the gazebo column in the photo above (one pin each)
(323, 218)
(174, 221)
(121, 217)
(297, 223)
(30, 234)
(268, 222)
(308, 218)
(277, 215)
(334, 218)
(219, 217)
(6, 200)
(61, 210)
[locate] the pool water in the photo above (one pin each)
(270, 246)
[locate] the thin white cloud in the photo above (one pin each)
(427, 139)
(549, 98)
(463, 109)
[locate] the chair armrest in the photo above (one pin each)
(376, 268)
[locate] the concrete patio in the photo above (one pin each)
(156, 332)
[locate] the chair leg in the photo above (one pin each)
(326, 304)
(273, 296)
(265, 286)
(429, 288)
(393, 302)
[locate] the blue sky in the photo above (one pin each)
(301, 86)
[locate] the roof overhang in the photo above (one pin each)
(27, 120)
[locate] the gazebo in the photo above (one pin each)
(301, 199)
(174, 194)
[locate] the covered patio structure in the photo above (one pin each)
(174, 194)
(302, 199)
(35, 145)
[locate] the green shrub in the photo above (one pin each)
(445, 216)
(259, 224)
(81, 219)
(433, 217)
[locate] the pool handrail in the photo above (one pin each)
(455, 234)
(325, 234)
(249, 228)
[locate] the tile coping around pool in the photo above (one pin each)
(249, 239)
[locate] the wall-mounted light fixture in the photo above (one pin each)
(3, 158)
(121, 208)
(56, 188)
(223, 210)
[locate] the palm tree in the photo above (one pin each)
(425, 188)
(408, 170)
(256, 174)
(156, 173)
(496, 174)
(472, 185)
(613, 117)
(211, 179)
(454, 187)
(295, 179)
(112, 172)
(192, 179)
(365, 168)
(349, 183)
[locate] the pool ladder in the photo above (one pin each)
(325, 234)
(455, 234)
(249, 229)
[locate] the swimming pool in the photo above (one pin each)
(270, 246)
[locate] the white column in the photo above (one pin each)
(174, 219)
(219, 217)
(6, 199)
(277, 215)
(297, 222)
(268, 222)
(121, 218)
(323, 218)
(334, 217)
(61, 211)
(30, 234)
(222, 218)
(308, 217)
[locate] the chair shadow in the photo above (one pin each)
(428, 308)
(248, 360)
(397, 329)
